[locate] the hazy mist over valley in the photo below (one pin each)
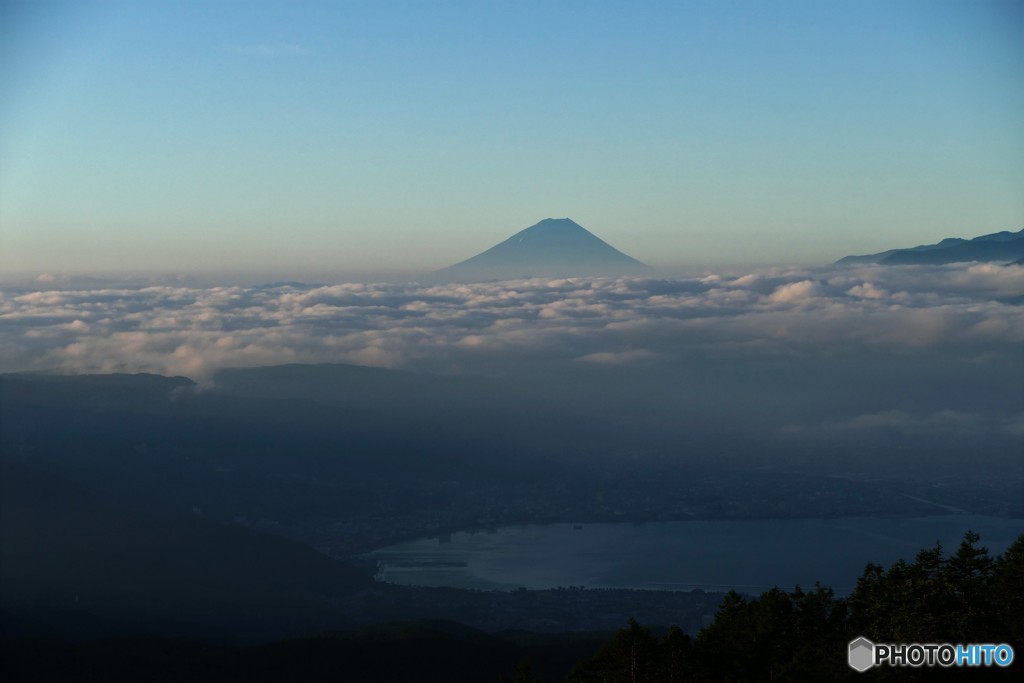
(352, 415)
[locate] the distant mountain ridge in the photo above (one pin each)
(1003, 246)
(554, 247)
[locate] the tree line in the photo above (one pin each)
(967, 597)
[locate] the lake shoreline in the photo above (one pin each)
(708, 555)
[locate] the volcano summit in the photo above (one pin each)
(555, 247)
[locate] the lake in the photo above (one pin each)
(746, 555)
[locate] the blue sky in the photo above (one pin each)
(345, 137)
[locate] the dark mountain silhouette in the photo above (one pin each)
(555, 247)
(425, 651)
(998, 246)
(72, 560)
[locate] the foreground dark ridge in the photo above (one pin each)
(965, 597)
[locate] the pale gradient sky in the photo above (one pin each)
(318, 138)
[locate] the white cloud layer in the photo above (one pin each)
(606, 321)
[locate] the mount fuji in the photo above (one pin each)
(555, 247)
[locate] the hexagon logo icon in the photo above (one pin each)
(862, 654)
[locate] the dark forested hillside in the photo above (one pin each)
(72, 564)
(965, 597)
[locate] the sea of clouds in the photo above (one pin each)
(193, 331)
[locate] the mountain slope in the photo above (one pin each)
(70, 559)
(555, 247)
(998, 246)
